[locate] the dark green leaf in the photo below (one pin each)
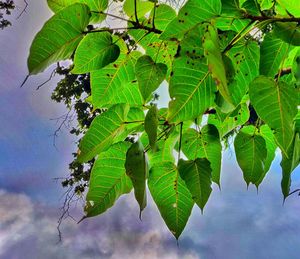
(151, 125)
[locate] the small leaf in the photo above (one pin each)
(108, 180)
(95, 51)
(197, 176)
(164, 14)
(142, 7)
(137, 170)
(151, 125)
(149, 75)
(57, 40)
(102, 132)
(276, 104)
(251, 153)
(215, 61)
(171, 196)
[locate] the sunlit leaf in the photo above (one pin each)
(95, 51)
(142, 7)
(57, 40)
(102, 132)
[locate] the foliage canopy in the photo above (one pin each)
(232, 68)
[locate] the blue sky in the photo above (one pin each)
(236, 223)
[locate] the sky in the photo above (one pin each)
(237, 223)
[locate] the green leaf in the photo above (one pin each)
(164, 14)
(94, 5)
(251, 7)
(271, 146)
(191, 14)
(292, 6)
(191, 88)
(204, 144)
(290, 162)
(57, 40)
(215, 61)
(276, 104)
(288, 32)
(143, 7)
(251, 153)
(228, 122)
(137, 170)
(116, 83)
(108, 180)
(231, 8)
(265, 4)
(149, 75)
(95, 51)
(171, 196)
(272, 53)
(245, 58)
(151, 125)
(102, 132)
(197, 176)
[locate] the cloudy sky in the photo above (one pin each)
(236, 223)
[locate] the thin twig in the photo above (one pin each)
(24, 9)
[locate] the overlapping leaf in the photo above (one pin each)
(116, 83)
(151, 125)
(191, 88)
(192, 13)
(108, 180)
(204, 144)
(197, 176)
(94, 5)
(171, 196)
(58, 38)
(276, 104)
(251, 153)
(137, 170)
(149, 75)
(95, 51)
(102, 132)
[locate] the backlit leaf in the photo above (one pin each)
(57, 40)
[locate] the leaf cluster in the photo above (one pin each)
(231, 69)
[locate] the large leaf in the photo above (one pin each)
(192, 13)
(215, 61)
(272, 53)
(95, 51)
(102, 132)
(204, 144)
(58, 38)
(137, 170)
(290, 162)
(292, 6)
(288, 32)
(251, 153)
(191, 88)
(197, 176)
(108, 180)
(94, 5)
(116, 83)
(149, 75)
(276, 104)
(151, 125)
(171, 196)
